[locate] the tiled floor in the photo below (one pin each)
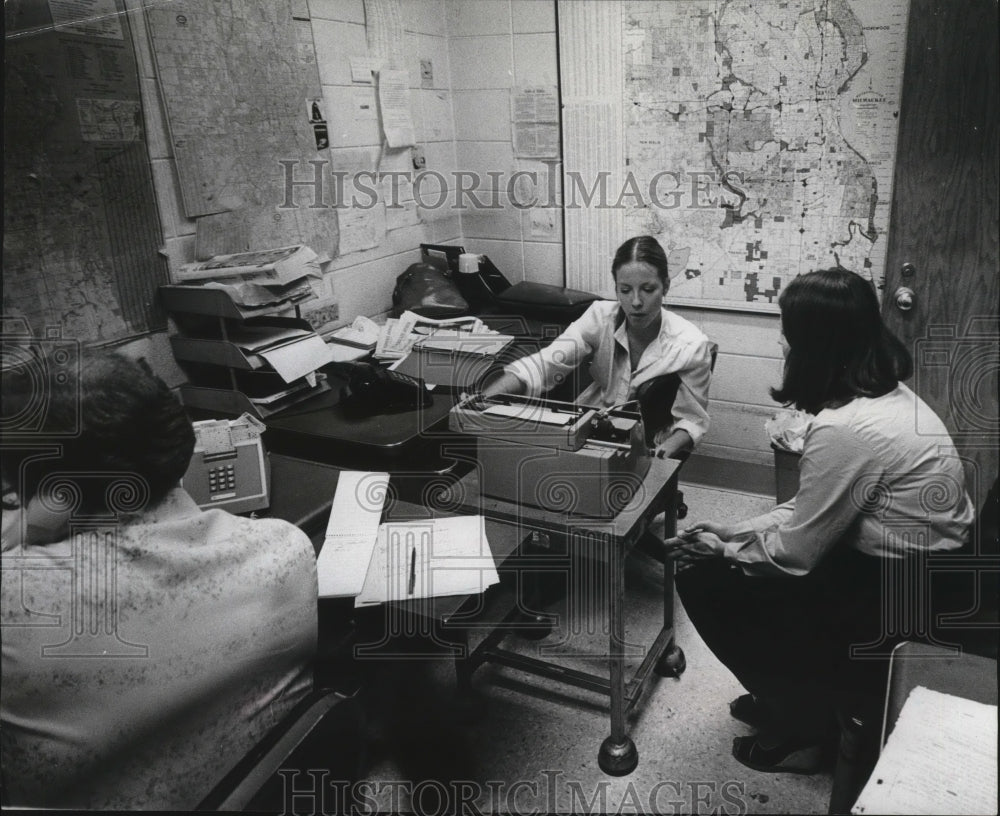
(533, 746)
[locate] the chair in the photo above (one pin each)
(656, 401)
(315, 752)
(910, 665)
(975, 636)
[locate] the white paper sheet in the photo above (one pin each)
(941, 757)
(533, 413)
(394, 105)
(298, 358)
(444, 556)
(351, 533)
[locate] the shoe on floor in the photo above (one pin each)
(795, 756)
(748, 709)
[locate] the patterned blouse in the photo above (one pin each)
(143, 659)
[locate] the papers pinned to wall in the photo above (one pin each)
(535, 118)
(394, 106)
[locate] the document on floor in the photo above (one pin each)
(941, 757)
(429, 558)
(351, 533)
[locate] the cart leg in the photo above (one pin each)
(469, 706)
(618, 755)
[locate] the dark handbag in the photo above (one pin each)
(428, 291)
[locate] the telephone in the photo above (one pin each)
(229, 468)
(370, 389)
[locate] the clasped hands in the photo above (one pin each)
(699, 542)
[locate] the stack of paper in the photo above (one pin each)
(291, 352)
(428, 559)
(398, 336)
(941, 757)
(261, 278)
(398, 561)
(281, 265)
(355, 341)
(351, 533)
(465, 342)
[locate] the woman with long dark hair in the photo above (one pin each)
(803, 604)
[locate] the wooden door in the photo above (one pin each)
(945, 224)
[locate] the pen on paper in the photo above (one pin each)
(413, 571)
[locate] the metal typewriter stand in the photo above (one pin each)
(611, 539)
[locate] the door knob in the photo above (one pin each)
(905, 298)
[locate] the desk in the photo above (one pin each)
(318, 430)
(303, 492)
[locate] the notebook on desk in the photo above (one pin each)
(376, 562)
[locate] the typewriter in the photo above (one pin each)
(562, 457)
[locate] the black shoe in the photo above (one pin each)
(748, 709)
(797, 756)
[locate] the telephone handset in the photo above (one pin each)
(371, 389)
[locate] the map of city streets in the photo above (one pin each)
(762, 137)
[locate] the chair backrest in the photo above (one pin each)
(656, 398)
(323, 733)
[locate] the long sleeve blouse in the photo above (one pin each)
(867, 478)
(680, 347)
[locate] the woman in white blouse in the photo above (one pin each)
(633, 340)
(804, 603)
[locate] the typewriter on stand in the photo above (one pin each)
(559, 456)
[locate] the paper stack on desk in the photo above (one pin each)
(398, 335)
(402, 560)
(291, 352)
(351, 533)
(262, 279)
(280, 266)
(429, 558)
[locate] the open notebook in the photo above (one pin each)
(397, 561)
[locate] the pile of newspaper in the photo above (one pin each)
(398, 336)
(258, 279)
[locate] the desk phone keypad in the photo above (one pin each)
(222, 478)
(405, 379)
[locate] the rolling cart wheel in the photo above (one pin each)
(672, 664)
(617, 758)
